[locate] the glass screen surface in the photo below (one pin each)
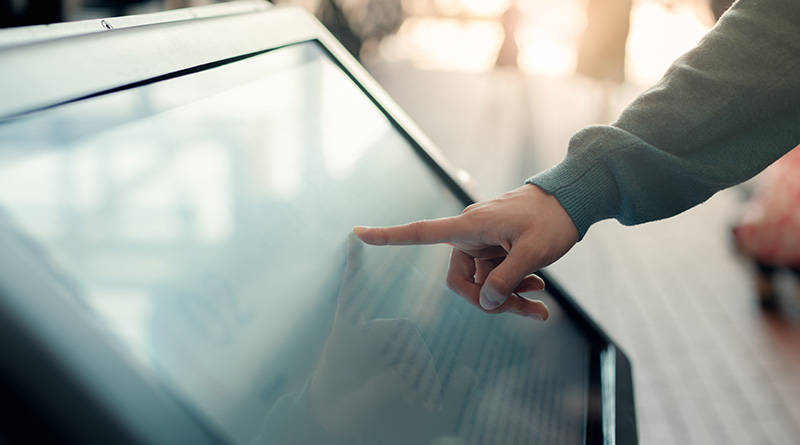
(206, 220)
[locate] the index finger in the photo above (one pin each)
(431, 231)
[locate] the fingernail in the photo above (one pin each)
(536, 317)
(359, 229)
(490, 299)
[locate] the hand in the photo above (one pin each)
(497, 246)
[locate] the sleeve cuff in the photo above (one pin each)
(582, 182)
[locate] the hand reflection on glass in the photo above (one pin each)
(368, 363)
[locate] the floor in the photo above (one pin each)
(709, 366)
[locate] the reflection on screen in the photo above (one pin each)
(206, 221)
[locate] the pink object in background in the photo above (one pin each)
(769, 229)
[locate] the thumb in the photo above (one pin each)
(504, 279)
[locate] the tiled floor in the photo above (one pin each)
(709, 366)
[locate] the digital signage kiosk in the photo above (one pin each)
(177, 264)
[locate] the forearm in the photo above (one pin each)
(723, 112)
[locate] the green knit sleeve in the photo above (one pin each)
(723, 112)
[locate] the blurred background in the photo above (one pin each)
(613, 39)
(500, 85)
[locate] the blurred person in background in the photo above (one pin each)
(356, 22)
(722, 113)
(769, 230)
(601, 48)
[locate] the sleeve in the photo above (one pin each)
(722, 112)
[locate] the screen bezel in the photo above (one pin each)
(127, 57)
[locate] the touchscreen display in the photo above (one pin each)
(206, 221)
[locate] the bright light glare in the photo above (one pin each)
(542, 52)
(451, 7)
(485, 8)
(547, 37)
(446, 44)
(659, 36)
(342, 147)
